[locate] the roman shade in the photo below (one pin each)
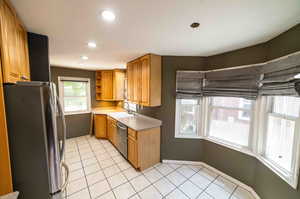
(240, 82)
(276, 77)
(189, 84)
(279, 76)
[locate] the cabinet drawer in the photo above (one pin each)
(132, 133)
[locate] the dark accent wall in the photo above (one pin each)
(172, 148)
(38, 48)
(78, 124)
(241, 166)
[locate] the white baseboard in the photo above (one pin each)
(237, 182)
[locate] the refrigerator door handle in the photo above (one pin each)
(67, 176)
(61, 114)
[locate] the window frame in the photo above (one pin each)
(211, 107)
(257, 137)
(61, 93)
(179, 134)
(267, 110)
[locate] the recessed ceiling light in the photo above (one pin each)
(92, 45)
(108, 15)
(84, 57)
(195, 25)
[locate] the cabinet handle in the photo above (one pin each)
(23, 77)
(14, 75)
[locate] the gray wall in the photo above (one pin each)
(240, 166)
(78, 124)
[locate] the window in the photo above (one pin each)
(75, 95)
(282, 133)
(187, 117)
(230, 120)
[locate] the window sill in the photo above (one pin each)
(188, 137)
(77, 113)
(231, 146)
(293, 181)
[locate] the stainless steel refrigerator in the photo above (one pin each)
(36, 149)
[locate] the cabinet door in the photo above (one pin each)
(130, 89)
(113, 131)
(22, 44)
(119, 85)
(9, 57)
(145, 90)
(132, 151)
(5, 169)
(109, 129)
(107, 85)
(100, 126)
(137, 81)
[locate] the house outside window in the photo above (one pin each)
(187, 117)
(75, 95)
(229, 120)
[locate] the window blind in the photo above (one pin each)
(276, 77)
(241, 82)
(279, 76)
(189, 84)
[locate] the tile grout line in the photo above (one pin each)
(165, 176)
(111, 189)
(67, 196)
(233, 192)
(87, 184)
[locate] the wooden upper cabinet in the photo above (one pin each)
(144, 80)
(118, 85)
(137, 87)
(110, 85)
(107, 85)
(14, 47)
(130, 82)
(145, 67)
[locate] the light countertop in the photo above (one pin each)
(136, 122)
(106, 110)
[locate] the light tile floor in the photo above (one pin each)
(98, 171)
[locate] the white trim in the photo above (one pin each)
(197, 134)
(198, 163)
(291, 181)
(245, 66)
(61, 94)
(257, 136)
(211, 107)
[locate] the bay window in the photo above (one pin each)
(229, 120)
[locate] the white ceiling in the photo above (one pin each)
(156, 26)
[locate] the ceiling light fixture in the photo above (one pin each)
(108, 15)
(92, 45)
(195, 25)
(84, 57)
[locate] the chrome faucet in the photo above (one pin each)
(128, 109)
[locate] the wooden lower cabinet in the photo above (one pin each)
(100, 122)
(144, 148)
(132, 151)
(111, 130)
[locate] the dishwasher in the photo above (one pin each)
(121, 139)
